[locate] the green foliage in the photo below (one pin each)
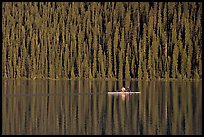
(127, 69)
(120, 73)
(102, 40)
(72, 73)
(175, 62)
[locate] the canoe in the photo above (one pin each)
(123, 92)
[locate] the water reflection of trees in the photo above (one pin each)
(170, 108)
(161, 108)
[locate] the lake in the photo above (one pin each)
(83, 107)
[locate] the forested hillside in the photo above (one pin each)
(121, 40)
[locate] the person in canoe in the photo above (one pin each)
(128, 89)
(123, 89)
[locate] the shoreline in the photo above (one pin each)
(106, 79)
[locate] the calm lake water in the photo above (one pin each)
(84, 107)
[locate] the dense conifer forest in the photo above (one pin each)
(116, 40)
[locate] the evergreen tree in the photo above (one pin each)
(120, 70)
(115, 46)
(110, 60)
(175, 62)
(155, 40)
(127, 69)
(140, 73)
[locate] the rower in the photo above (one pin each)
(123, 89)
(128, 89)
